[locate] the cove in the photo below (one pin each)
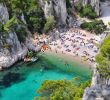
(25, 78)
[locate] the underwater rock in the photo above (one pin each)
(10, 78)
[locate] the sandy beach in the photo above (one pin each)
(77, 44)
(64, 56)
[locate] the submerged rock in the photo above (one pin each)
(10, 78)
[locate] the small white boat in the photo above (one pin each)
(33, 59)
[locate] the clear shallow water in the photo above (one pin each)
(31, 76)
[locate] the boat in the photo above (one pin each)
(33, 59)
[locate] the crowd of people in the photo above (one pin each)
(78, 43)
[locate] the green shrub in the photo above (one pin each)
(97, 26)
(62, 90)
(109, 23)
(50, 23)
(103, 60)
(1, 27)
(86, 11)
(10, 24)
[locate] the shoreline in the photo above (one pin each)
(69, 57)
(77, 45)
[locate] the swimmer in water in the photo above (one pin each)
(66, 63)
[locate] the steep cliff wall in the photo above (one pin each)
(11, 48)
(57, 8)
(98, 90)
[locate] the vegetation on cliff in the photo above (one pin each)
(103, 60)
(62, 89)
(86, 11)
(50, 23)
(30, 10)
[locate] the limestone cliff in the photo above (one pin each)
(59, 9)
(11, 49)
(99, 90)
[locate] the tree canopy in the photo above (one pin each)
(61, 90)
(96, 26)
(86, 11)
(103, 59)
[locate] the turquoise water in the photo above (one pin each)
(32, 75)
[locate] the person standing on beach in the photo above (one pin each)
(56, 50)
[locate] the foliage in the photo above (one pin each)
(109, 23)
(96, 26)
(68, 6)
(10, 24)
(61, 90)
(31, 54)
(103, 59)
(86, 11)
(31, 10)
(1, 27)
(50, 23)
(35, 19)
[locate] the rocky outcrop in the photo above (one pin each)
(11, 49)
(3, 13)
(97, 92)
(58, 9)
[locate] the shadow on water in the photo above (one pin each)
(10, 79)
(0, 95)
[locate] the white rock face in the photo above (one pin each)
(3, 13)
(8, 56)
(61, 10)
(97, 92)
(47, 7)
(105, 12)
(57, 8)
(16, 51)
